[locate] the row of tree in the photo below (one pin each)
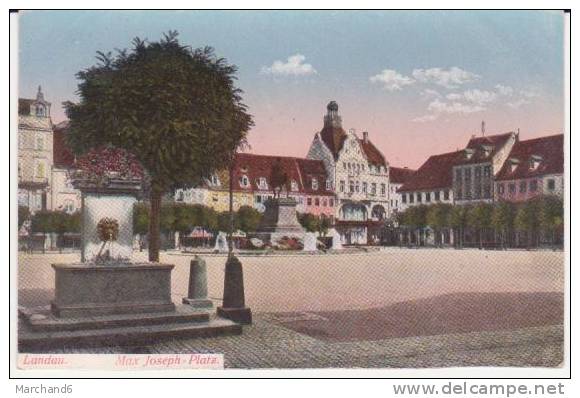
(183, 218)
(540, 218)
(50, 222)
(313, 223)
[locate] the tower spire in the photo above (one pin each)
(39, 94)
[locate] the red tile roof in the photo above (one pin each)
(551, 151)
(400, 175)
(374, 156)
(298, 169)
(334, 138)
(435, 173)
(495, 142)
(62, 155)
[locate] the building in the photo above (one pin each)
(359, 174)
(534, 167)
(64, 196)
(397, 177)
(35, 153)
(481, 160)
(307, 183)
(432, 182)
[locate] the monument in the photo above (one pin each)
(279, 220)
(336, 242)
(106, 298)
(221, 243)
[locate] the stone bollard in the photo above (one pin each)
(234, 306)
(197, 292)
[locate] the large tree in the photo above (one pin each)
(175, 108)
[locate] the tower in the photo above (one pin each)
(332, 119)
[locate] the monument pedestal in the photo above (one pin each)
(279, 221)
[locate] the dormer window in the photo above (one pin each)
(486, 150)
(215, 181)
(513, 164)
(293, 185)
(469, 153)
(314, 184)
(40, 110)
(262, 183)
(244, 181)
(179, 195)
(535, 161)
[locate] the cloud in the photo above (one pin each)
(524, 98)
(448, 78)
(518, 103)
(429, 93)
(438, 107)
(294, 66)
(391, 80)
(479, 97)
(504, 90)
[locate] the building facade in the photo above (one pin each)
(397, 177)
(534, 167)
(432, 182)
(35, 153)
(481, 160)
(358, 173)
(64, 196)
(252, 186)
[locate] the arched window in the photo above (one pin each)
(40, 170)
(40, 110)
(244, 181)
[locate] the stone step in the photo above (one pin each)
(34, 341)
(40, 319)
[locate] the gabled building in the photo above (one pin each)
(35, 156)
(481, 160)
(358, 173)
(397, 177)
(432, 182)
(533, 167)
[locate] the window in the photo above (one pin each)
(374, 188)
(551, 184)
(523, 186)
(39, 143)
(309, 201)
(391, 202)
(404, 198)
(294, 185)
(331, 202)
(328, 185)
(533, 185)
(40, 170)
(351, 186)
(500, 188)
(396, 203)
(428, 197)
(411, 198)
(344, 165)
(244, 181)
(419, 197)
(258, 198)
(40, 110)
(215, 180)
(364, 187)
(487, 171)
(437, 195)
(179, 195)
(315, 184)
(342, 186)
(317, 202)
(383, 189)
(357, 186)
(446, 194)
(262, 183)
(69, 206)
(512, 187)
(324, 203)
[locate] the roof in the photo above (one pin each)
(62, 155)
(551, 151)
(400, 175)
(334, 138)
(373, 155)
(24, 106)
(435, 173)
(494, 142)
(298, 169)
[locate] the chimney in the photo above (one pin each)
(365, 136)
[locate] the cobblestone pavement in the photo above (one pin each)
(267, 344)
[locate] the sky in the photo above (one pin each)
(420, 82)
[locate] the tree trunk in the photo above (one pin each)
(154, 236)
(231, 226)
